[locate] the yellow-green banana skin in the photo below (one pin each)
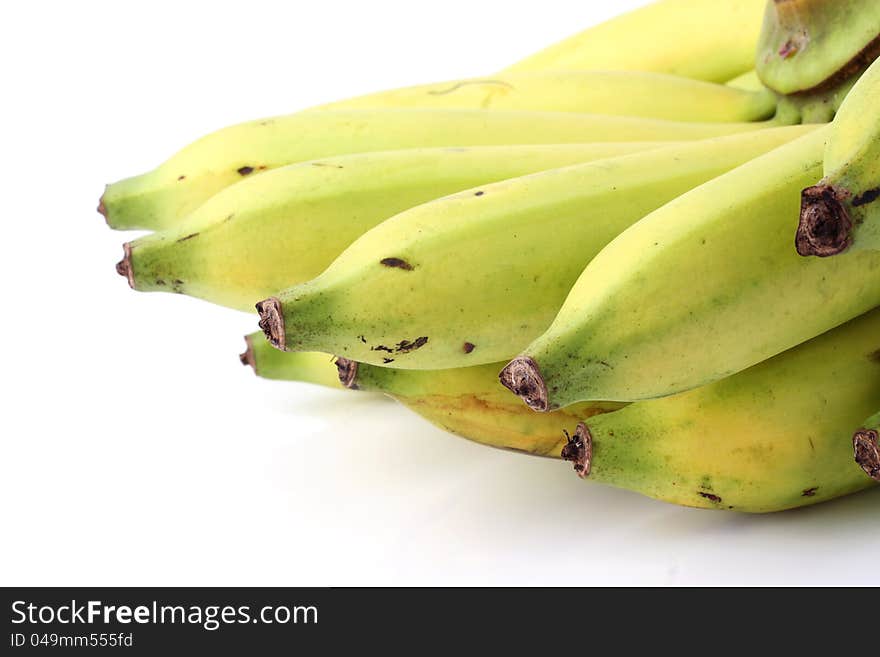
(700, 289)
(473, 277)
(866, 447)
(842, 212)
(770, 438)
(808, 43)
(619, 93)
(466, 401)
(158, 199)
(304, 366)
(286, 226)
(704, 39)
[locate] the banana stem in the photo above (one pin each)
(825, 228)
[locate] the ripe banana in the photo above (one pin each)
(707, 40)
(286, 226)
(702, 288)
(466, 401)
(623, 93)
(843, 209)
(766, 439)
(472, 277)
(866, 449)
(807, 44)
(159, 198)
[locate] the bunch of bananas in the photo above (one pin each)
(611, 229)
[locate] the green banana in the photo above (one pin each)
(702, 288)
(159, 198)
(712, 41)
(472, 277)
(842, 211)
(623, 93)
(286, 226)
(766, 439)
(866, 449)
(808, 44)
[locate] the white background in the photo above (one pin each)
(135, 448)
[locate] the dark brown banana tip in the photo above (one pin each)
(579, 450)
(825, 228)
(523, 378)
(347, 370)
(867, 452)
(272, 322)
(123, 267)
(247, 358)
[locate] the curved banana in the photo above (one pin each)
(472, 277)
(866, 448)
(286, 226)
(704, 287)
(843, 210)
(766, 439)
(704, 39)
(159, 198)
(622, 93)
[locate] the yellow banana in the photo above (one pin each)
(772, 437)
(702, 288)
(161, 197)
(711, 40)
(766, 439)
(843, 210)
(472, 277)
(466, 401)
(622, 93)
(866, 448)
(286, 226)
